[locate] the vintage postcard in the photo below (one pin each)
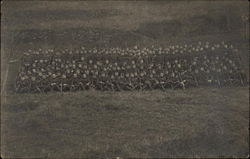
(125, 79)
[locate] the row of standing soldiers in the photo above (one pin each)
(72, 72)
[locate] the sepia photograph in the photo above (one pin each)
(124, 79)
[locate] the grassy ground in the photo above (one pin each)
(201, 122)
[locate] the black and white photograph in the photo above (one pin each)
(124, 79)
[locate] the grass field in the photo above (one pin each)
(202, 122)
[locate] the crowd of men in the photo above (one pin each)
(135, 68)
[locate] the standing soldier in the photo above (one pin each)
(245, 22)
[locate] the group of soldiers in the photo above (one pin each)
(135, 68)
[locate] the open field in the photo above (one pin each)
(204, 122)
